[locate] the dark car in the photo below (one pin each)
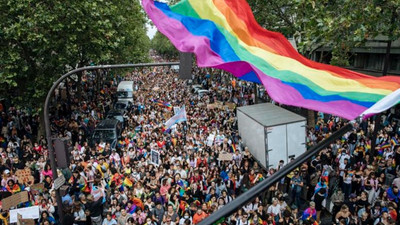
(117, 115)
(108, 130)
(122, 106)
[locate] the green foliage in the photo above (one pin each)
(340, 24)
(163, 46)
(41, 40)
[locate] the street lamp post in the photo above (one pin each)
(47, 119)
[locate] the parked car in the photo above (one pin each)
(116, 114)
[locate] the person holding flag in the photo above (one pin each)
(180, 116)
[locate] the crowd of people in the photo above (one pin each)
(188, 181)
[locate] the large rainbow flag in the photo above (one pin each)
(224, 34)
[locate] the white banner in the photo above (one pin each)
(27, 213)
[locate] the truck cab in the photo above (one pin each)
(125, 91)
(107, 131)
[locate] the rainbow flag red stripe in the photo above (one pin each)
(223, 34)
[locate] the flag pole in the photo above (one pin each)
(263, 186)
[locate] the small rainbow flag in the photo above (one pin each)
(183, 206)
(165, 104)
(132, 210)
(84, 187)
(127, 182)
(385, 145)
(15, 189)
(138, 203)
(116, 179)
(233, 148)
(394, 141)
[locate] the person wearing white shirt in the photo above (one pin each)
(109, 220)
(343, 155)
(274, 209)
(114, 157)
(185, 217)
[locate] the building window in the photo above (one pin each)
(395, 63)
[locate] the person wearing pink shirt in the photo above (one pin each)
(46, 172)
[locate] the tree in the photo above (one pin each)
(41, 40)
(163, 46)
(340, 24)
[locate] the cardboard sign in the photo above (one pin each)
(231, 105)
(22, 221)
(211, 106)
(155, 157)
(14, 200)
(59, 182)
(225, 156)
(37, 188)
(210, 140)
(27, 213)
(24, 176)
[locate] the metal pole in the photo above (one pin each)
(47, 119)
(265, 184)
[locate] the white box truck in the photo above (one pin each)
(125, 91)
(271, 133)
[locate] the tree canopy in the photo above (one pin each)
(163, 46)
(340, 24)
(41, 40)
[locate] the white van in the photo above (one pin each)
(125, 91)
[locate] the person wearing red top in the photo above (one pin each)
(160, 143)
(199, 216)
(202, 160)
(38, 148)
(392, 211)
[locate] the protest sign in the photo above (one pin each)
(14, 200)
(231, 105)
(27, 213)
(155, 157)
(24, 176)
(225, 156)
(59, 182)
(210, 140)
(211, 106)
(37, 188)
(22, 221)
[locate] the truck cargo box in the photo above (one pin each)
(271, 133)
